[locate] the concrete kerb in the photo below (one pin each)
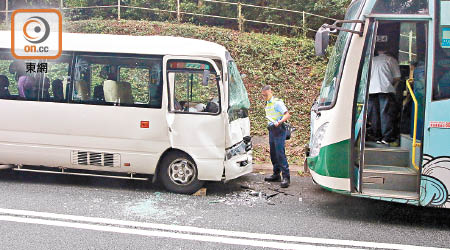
(267, 168)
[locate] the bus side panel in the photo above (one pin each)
(435, 179)
(44, 133)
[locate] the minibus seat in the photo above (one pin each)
(45, 89)
(82, 90)
(212, 107)
(200, 107)
(117, 92)
(98, 93)
(58, 90)
(4, 85)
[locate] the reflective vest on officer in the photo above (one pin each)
(271, 113)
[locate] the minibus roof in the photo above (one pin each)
(145, 45)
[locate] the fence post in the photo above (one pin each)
(118, 10)
(240, 17)
(6, 13)
(304, 28)
(178, 12)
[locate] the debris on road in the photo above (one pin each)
(254, 193)
(280, 191)
(218, 201)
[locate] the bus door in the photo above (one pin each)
(435, 179)
(360, 107)
(195, 120)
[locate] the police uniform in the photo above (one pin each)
(275, 110)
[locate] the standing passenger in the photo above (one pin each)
(385, 75)
(277, 114)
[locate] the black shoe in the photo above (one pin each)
(285, 182)
(273, 178)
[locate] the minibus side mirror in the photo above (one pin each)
(206, 74)
(321, 41)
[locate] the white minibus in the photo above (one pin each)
(126, 107)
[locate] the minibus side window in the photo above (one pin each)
(191, 95)
(34, 80)
(118, 81)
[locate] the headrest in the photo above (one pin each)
(4, 81)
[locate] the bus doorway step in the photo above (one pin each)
(395, 194)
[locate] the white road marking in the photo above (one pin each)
(152, 233)
(205, 231)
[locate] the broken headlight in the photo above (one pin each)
(237, 149)
(316, 140)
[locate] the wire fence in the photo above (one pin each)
(242, 23)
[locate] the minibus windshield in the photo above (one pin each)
(239, 103)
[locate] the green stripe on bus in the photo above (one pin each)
(333, 160)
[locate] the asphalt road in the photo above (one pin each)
(304, 210)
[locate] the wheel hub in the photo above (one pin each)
(182, 172)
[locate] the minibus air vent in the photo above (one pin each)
(95, 159)
(82, 158)
(109, 160)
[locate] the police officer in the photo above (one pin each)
(277, 114)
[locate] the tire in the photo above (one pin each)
(178, 174)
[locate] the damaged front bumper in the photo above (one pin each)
(239, 159)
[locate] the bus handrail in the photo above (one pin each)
(414, 143)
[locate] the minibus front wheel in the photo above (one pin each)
(179, 173)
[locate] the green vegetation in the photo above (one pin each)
(288, 64)
(329, 8)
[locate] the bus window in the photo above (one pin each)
(121, 81)
(441, 81)
(401, 7)
(190, 94)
